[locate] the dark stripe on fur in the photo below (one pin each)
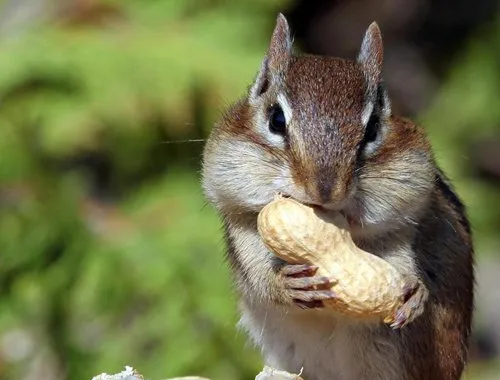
(447, 190)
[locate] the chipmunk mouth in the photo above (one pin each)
(351, 219)
(316, 205)
(306, 203)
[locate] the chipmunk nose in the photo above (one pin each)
(324, 190)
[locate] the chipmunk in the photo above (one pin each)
(321, 130)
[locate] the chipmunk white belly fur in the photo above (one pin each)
(321, 130)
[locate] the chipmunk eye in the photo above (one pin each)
(277, 120)
(370, 142)
(372, 129)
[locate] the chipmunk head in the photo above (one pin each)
(320, 130)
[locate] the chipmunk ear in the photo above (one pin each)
(280, 48)
(371, 55)
(277, 59)
(371, 59)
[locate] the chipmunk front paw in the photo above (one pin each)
(305, 288)
(415, 295)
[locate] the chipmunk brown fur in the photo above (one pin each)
(321, 130)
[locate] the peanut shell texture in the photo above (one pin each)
(365, 285)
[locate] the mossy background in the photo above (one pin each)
(109, 255)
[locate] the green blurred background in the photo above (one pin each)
(109, 254)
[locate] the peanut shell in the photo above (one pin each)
(366, 286)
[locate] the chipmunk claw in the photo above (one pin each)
(307, 290)
(297, 270)
(415, 295)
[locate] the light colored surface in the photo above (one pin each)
(269, 373)
(128, 374)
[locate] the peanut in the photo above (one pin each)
(365, 285)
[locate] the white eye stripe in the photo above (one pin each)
(370, 148)
(367, 113)
(285, 106)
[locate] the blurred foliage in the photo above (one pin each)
(109, 254)
(464, 111)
